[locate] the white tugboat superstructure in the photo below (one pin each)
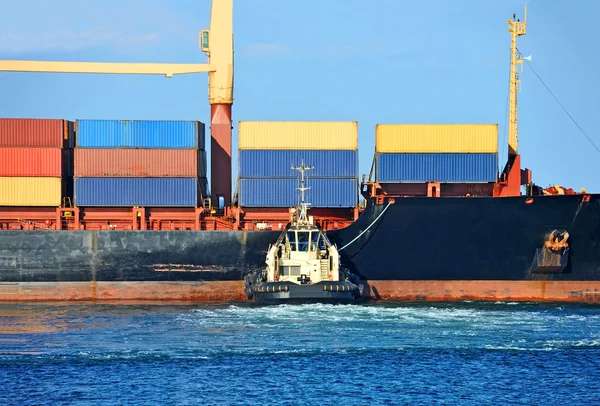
(303, 264)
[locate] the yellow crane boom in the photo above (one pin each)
(217, 42)
(167, 69)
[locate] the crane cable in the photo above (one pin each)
(560, 104)
(365, 230)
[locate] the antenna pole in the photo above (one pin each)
(303, 205)
(516, 28)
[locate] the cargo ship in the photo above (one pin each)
(122, 210)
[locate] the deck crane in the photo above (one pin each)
(513, 177)
(217, 43)
(516, 29)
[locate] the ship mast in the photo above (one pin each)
(516, 28)
(303, 209)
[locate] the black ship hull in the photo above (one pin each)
(472, 238)
(429, 248)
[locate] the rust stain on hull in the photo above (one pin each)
(111, 291)
(535, 291)
(517, 291)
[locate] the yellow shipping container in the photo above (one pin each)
(298, 135)
(436, 138)
(30, 191)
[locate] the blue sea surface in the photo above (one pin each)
(383, 353)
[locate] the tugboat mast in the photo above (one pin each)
(303, 207)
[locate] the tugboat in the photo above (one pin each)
(302, 265)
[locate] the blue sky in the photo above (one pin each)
(382, 61)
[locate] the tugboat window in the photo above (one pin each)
(292, 239)
(303, 238)
(322, 245)
(314, 241)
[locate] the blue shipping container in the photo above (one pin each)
(439, 167)
(283, 192)
(148, 192)
(258, 163)
(140, 134)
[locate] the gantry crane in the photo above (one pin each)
(217, 43)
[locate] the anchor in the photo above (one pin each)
(553, 257)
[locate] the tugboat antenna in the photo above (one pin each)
(302, 169)
(303, 209)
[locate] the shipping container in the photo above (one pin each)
(143, 192)
(25, 161)
(36, 132)
(297, 135)
(31, 191)
(140, 134)
(256, 163)
(126, 162)
(411, 168)
(283, 193)
(436, 138)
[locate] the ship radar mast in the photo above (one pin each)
(303, 209)
(516, 28)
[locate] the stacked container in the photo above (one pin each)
(140, 163)
(267, 151)
(448, 153)
(36, 161)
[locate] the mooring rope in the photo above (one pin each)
(365, 230)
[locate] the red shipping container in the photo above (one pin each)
(120, 162)
(36, 132)
(24, 161)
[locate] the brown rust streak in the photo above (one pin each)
(94, 289)
(535, 291)
(103, 291)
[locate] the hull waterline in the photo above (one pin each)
(427, 291)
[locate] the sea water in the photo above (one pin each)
(383, 353)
